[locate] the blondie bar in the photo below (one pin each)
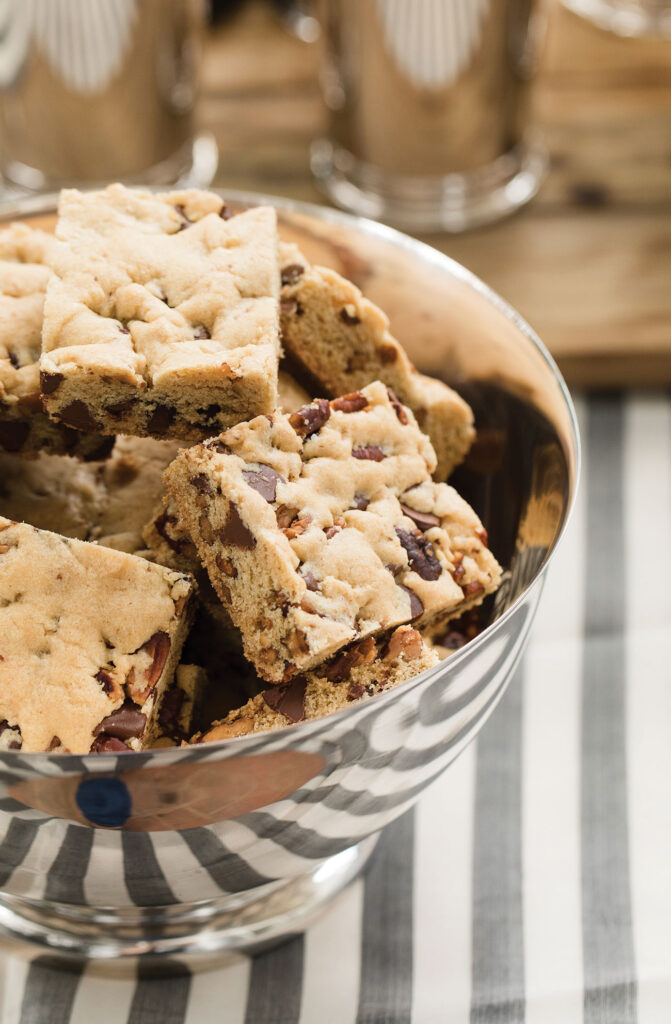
(161, 317)
(356, 673)
(89, 639)
(324, 526)
(342, 341)
(24, 426)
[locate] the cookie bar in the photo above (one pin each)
(179, 706)
(24, 426)
(357, 673)
(324, 526)
(161, 318)
(89, 638)
(108, 501)
(342, 341)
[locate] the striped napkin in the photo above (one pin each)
(532, 883)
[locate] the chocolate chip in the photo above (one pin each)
(311, 582)
(264, 480)
(78, 415)
(453, 640)
(416, 606)
(285, 516)
(14, 360)
(234, 531)
(406, 642)
(395, 570)
(16, 743)
(161, 419)
(291, 273)
(351, 319)
(353, 402)
(387, 354)
(358, 654)
(124, 723)
(161, 524)
(218, 446)
(13, 434)
(310, 418)
(105, 680)
(355, 691)
(169, 711)
(401, 414)
(118, 408)
(123, 329)
(290, 306)
(203, 484)
(361, 502)
(420, 554)
(181, 210)
(288, 700)
(104, 744)
(372, 452)
(49, 382)
(225, 212)
(158, 648)
(201, 333)
(424, 520)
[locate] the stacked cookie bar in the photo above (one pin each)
(222, 496)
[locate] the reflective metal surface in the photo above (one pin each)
(110, 855)
(101, 90)
(428, 106)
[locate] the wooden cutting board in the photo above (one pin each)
(588, 263)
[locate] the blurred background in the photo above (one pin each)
(502, 105)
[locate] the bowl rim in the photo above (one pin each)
(48, 203)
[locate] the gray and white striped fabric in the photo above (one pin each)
(532, 882)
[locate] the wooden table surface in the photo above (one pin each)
(588, 263)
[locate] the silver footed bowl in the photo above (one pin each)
(236, 844)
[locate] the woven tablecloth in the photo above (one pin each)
(532, 882)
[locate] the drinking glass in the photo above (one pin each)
(428, 106)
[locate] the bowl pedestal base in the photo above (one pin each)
(248, 922)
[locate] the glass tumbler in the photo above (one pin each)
(428, 105)
(626, 17)
(101, 90)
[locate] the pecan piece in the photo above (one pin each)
(420, 554)
(404, 642)
(362, 653)
(423, 520)
(291, 273)
(157, 647)
(353, 402)
(399, 409)
(228, 730)
(310, 418)
(474, 587)
(285, 515)
(297, 527)
(372, 452)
